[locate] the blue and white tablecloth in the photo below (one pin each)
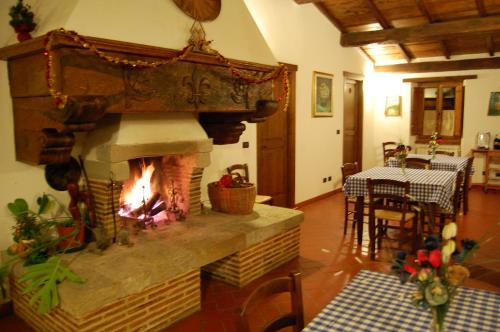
(425, 186)
(440, 162)
(377, 302)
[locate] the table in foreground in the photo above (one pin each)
(375, 301)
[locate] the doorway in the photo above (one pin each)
(276, 151)
(353, 119)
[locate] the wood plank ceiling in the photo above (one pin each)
(398, 35)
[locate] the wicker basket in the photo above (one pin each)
(232, 200)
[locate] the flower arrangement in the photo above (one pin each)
(233, 180)
(401, 153)
(22, 20)
(437, 272)
(434, 143)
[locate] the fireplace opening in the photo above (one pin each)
(160, 190)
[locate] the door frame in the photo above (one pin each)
(359, 87)
(290, 118)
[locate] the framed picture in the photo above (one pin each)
(322, 94)
(393, 106)
(494, 105)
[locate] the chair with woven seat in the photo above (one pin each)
(350, 201)
(389, 149)
(393, 209)
(418, 163)
(242, 170)
(295, 318)
(465, 185)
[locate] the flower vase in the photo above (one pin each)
(23, 32)
(403, 166)
(433, 153)
(435, 325)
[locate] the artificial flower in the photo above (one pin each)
(456, 274)
(447, 250)
(410, 269)
(449, 231)
(225, 181)
(468, 245)
(436, 294)
(422, 256)
(423, 275)
(431, 242)
(435, 258)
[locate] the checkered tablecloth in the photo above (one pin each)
(425, 186)
(441, 162)
(376, 302)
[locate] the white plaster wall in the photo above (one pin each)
(301, 35)
(152, 22)
(380, 128)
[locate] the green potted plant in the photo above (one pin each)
(22, 20)
(36, 244)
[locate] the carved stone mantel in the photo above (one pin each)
(199, 83)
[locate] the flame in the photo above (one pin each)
(141, 191)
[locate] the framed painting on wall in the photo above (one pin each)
(322, 94)
(494, 105)
(393, 106)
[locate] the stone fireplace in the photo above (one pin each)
(147, 139)
(146, 170)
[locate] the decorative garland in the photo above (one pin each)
(61, 99)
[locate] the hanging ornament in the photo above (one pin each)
(200, 10)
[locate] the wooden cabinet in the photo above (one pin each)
(437, 106)
(492, 170)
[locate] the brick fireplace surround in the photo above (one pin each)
(156, 282)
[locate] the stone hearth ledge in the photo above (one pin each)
(162, 254)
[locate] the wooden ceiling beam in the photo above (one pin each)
(480, 8)
(438, 66)
(321, 7)
(490, 43)
(423, 33)
(386, 25)
(423, 9)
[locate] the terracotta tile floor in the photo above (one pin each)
(328, 260)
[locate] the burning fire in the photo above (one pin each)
(141, 192)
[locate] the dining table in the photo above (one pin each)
(378, 302)
(434, 188)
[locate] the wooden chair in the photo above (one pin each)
(455, 203)
(242, 170)
(465, 185)
(389, 148)
(393, 209)
(350, 201)
(295, 318)
(418, 163)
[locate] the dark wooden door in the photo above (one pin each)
(353, 117)
(276, 152)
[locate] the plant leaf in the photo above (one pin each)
(43, 279)
(43, 204)
(19, 207)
